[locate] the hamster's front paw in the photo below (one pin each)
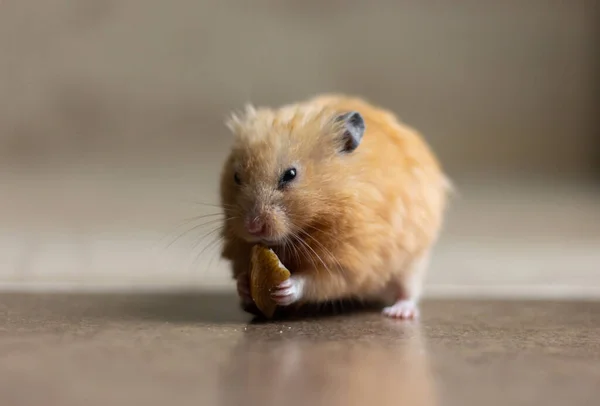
(289, 291)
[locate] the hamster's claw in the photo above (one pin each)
(288, 291)
(402, 309)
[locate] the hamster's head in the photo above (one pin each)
(288, 170)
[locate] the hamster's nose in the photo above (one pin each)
(255, 226)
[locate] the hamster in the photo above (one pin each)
(350, 199)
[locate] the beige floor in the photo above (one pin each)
(66, 350)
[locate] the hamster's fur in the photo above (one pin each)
(350, 199)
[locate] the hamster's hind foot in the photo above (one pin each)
(402, 309)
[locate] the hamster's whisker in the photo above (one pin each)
(315, 228)
(212, 204)
(293, 248)
(234, 211)
(190, 230)
(328, 235)
(208, 234)
(321, 246)
(315, 253)
(214, 242)
(200, 217)
(305, 248)
(285, 247)
(297, 252)
(219, 213)
(188, 220)
(326, 251)
(215, 254)
(297, 247)
(302, 249)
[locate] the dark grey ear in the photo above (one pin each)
(353, 130)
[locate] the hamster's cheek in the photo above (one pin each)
(279, 224)
(298, 211)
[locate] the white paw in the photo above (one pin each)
(243, 289)
(402, 309)
(288, 292)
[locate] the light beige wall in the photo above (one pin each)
(111, 126)
(495, 85)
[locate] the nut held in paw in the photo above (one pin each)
(266, 273)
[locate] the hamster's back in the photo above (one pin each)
(400, 176)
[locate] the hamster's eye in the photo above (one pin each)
(236, 178)
(288, 176)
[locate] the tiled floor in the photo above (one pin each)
(67, 350)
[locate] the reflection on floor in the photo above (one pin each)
(68, 350)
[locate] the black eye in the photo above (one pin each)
(237, 179)
(288, 176)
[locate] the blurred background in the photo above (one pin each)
(112, 135)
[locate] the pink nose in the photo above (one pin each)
(255, 226)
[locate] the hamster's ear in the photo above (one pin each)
(352, 131)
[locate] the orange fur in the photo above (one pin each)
(361, 220)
